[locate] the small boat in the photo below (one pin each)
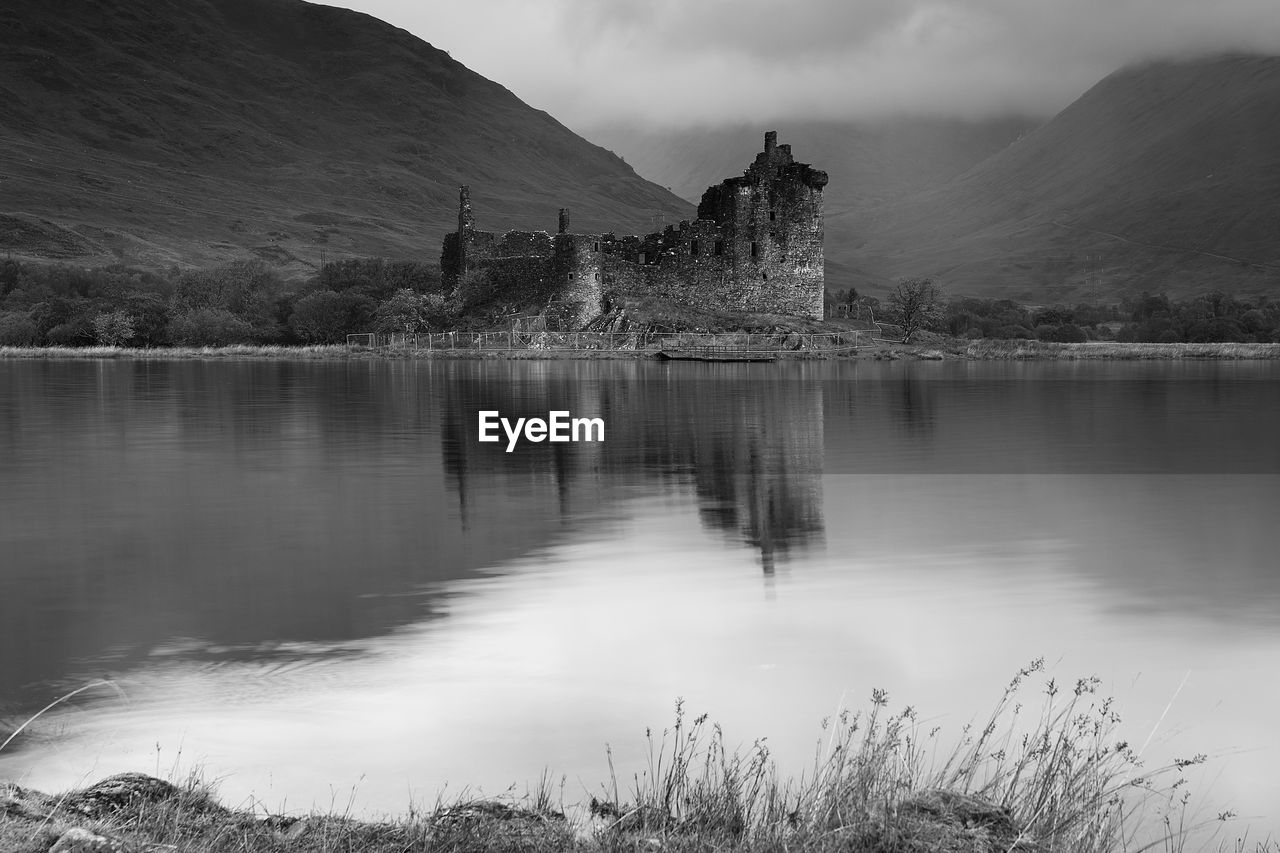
(716, 354)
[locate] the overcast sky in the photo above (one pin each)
(682, 62)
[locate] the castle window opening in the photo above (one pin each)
(570, 276)
(772, 216)
(642, 258)
(719, 249)
(693, 248)
(597, 276)
(755, 249)
(595, 247)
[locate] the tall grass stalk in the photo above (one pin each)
(56, 702)
(1057, 775)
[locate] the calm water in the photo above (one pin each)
(313, 582)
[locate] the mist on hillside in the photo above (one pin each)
(666, 64)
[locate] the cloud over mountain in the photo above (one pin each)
(675, 63)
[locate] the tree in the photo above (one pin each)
(915, 304)
(405, 311)
(17, 329)
(204, 327)
(113, 328)
(246, 289)
(326, 317)
(150, 315)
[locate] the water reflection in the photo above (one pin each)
(239, 540)
(750, 449)
(240, 505)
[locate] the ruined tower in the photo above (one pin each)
(771, 221)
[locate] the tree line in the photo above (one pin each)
(239, 302)
(249, 302)
(1213, 317)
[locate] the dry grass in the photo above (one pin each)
(1024, 349)
(982, 350)
(1058, 780)
(1042, 775)
(234, 351)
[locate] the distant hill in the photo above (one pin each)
(869, 162)
(872, 165)
(164, 132)
(1162, 177)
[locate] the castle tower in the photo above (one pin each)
(466, 226)
(771, 217)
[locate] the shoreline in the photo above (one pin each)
(941, 350)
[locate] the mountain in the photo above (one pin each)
(162, 132)
(1162, 177)
(869, 162)
(872, 165)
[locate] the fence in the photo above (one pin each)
(780, 343)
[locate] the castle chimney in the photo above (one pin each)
(465, 218)
(770, 141)
(564, 220)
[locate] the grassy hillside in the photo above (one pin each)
(167, 132)
(1160, 177)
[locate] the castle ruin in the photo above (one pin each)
(755, 246)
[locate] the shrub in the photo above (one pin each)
(326, 317)
(113, 328)
(18, 330)
(75, 332)
(150, 315)
(210, 327)
(1063, 333)
(1013, 332)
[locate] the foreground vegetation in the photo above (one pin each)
(1048, 778)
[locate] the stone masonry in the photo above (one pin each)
(755, 246)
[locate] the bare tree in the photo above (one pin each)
(916, 303)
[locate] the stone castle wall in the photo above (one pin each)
(756, 246)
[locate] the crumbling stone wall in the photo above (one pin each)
(756, 246)
(772, 220)
(579, 273)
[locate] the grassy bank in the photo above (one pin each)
(1048, 775)
(1022, 349)
(236, 351)
(933, 349)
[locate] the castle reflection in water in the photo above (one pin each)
(751, 449)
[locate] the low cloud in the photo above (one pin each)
(670, 62)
